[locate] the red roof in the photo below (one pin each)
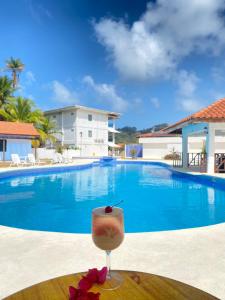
(215, 112)
(18, 129)
(157, 134)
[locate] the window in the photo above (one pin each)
(89, 133)
(54, 117)
(89, 117)
(3, 145)
(72, 114)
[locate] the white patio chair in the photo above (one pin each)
(32, 160)
(16, 161)
(66, 158)
(57, 158)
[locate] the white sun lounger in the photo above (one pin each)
(32, 160)
(16, 161)
(57, 158)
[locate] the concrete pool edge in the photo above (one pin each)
(178, 254)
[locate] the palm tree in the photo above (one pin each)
(47, 129)
(20, 109)
(15, 66)
(6, 90)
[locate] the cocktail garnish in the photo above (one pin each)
(109, 209)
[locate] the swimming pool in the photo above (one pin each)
(155, 198)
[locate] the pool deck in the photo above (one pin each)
(195, 256)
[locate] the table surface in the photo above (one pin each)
(136, 286)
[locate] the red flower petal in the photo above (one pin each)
(73, 292)
(93, 296)
(102, 275)
(92, 275)
(85, 283)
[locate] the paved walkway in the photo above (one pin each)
(194, 256)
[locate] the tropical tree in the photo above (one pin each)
(35, 144)
(20, 109)
(16, 66)
(47, 130)
(6, 90)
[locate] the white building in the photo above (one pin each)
(157, 145)
(199, 137)
(16, 137)
(90, 130)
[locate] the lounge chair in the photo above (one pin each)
(57, 158)
(67, 159)
(16, 161)
(32, 160)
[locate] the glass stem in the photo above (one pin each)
(108, 263)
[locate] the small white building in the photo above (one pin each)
(90, 130)
(157, 145)
(16, 137)
(200, 139)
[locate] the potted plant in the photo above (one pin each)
(133, 153)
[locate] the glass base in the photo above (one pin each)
(113, 281)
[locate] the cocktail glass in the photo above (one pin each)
(108, 234)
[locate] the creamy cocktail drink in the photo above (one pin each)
(108, 234)
(107, 228)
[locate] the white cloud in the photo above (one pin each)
(155, 102)
(107, 92)
(187, 83)
(187, 91)
(38, 11)
(63, 94)
(190, 105)
(167, 32)
(30, 78)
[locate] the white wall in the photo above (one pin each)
(158, 147)
(43, 153)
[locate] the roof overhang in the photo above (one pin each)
(111, 115)
(18, 137)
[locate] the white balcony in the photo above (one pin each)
(113, 130)
(113, 145)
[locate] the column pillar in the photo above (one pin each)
(210, 148)
(185, 150)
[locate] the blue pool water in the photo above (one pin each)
(155, 198)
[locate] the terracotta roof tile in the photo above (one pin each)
(215, 112)
(15, 128)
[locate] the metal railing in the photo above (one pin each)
(177, 160)
(219, 163)
(197, 160)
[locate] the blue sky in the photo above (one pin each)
(154, 61)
